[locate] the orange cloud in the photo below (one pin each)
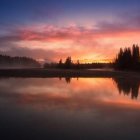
(82, 43)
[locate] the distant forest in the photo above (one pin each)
(68, 64)
(15, 62)
(128, 59)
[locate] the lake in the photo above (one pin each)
(69, 108)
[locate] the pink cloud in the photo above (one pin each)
(79, 42)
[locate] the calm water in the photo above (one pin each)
(69, 109)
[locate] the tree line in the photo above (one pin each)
(128, 58)
(8, 61)
(69, 64)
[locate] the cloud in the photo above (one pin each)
(124, 21)
(53, 42)
(54, 34)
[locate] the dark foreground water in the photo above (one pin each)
(69, 109)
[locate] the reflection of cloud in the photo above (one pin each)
(53, 107)
(53, 93)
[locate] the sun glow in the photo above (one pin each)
(88, 45)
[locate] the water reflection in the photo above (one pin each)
(67, 79)
(69, 108)
(128, 86)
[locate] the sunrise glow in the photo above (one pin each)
(88, 32)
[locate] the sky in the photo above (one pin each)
(86, 30)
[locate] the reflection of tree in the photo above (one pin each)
(60, 78)
(128, 86)
(68, 79)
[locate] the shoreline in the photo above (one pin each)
(52, 73)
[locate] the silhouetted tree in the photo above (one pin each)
(135, 53)
(77, 65)
(127, 59)
(60, 64)
(135, 56)
(68, 63)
